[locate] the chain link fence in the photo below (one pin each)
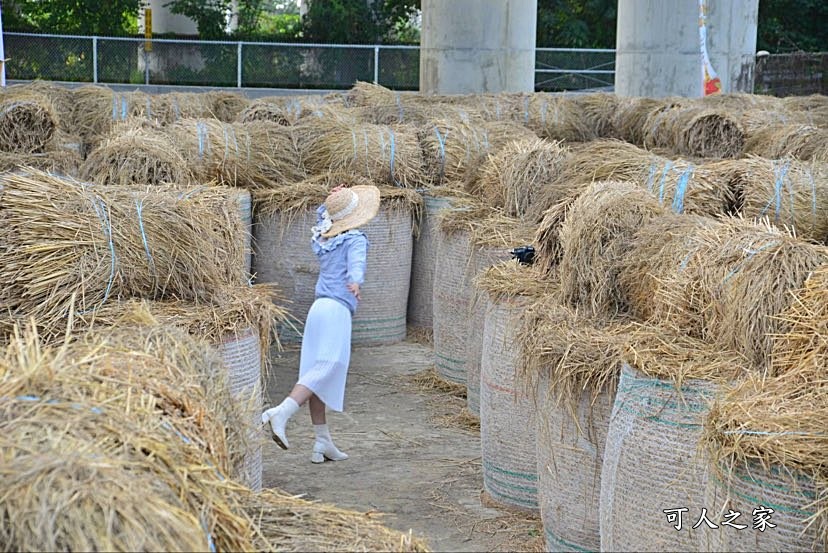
(258, 64)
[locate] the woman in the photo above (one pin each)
(326, 345)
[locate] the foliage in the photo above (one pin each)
(577, 23)
(360, 22)
(210, 15)
(788, 25)
(77, 17)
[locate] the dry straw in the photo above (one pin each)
(631, 116)
(790, 193)
(805, 344)
(599, 113)
(512, 178)
(755, 119)
(678, 184)
(726, 282)
(226, 106)
(383, 154)
(453, 149)
(694, 131)
(252, 155)
(556, 117)
(595, 237)
(28, 123)
(136, 157)
(87, 484)
(793, 140)
(61, 97)
(262, 110)
(72, 247)
(487, 226)
(61, 162)
(97, 108)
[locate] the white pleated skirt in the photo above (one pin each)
(326, 351)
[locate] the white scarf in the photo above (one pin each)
(323, 227)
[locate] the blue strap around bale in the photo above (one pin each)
(393, 155)
(544, 107)
(751, 253)
(176, 109)
(149, 108)
(201, 132)
(442, 142)
(651, 178)
(497, 109)
(114, 108)
(780, 179)
(526, 109)
(400, 117)
(667, 167)
(139, 207)
(354, 142)
(124, 108)
(681, 190)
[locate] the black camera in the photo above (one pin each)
(524, 254)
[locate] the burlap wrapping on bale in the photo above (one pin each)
(570, 456)
(245, 201)
(507, 413)
(283, 255)
(744, 488)
(241, 354)
(483, 257)
(651, 463)
(423, 265)
(452, 297)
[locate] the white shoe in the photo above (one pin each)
(326, 450)
(277, 417)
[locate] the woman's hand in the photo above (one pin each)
(354, 289)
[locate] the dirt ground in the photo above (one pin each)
(408, 459)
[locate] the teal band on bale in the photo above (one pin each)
(652, 462)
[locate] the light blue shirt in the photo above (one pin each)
(342, 261)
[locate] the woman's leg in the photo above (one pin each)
(317, 410)
(324, 447)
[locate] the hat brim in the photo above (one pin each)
(367, 208)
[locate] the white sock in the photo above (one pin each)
(322, 433)
(290, 406)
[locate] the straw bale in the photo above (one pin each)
(599, 113)
(694, 131)
(595, 237)
(28, 123)
(72, 247)
(631, 115)
(679, 184)
(60, 162)
(226, 106)
(805, 344)
(454, 148)
(767, 436)
(487, 226)
(812, 102)
(557, 117)
(513, 177)
(87, 484)
(364, 94)
(260, 154)
(383, 154)
(799, 141)
(547, 238)
(61, 97)
(261, 110)
(174, 106)
(738, 102)
(96, 109)
(756, 119)
(136, 157)
(791, 193)
(509, 280)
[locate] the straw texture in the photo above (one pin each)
(28, 123)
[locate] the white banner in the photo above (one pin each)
(710, 81)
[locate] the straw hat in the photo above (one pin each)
(351, 208)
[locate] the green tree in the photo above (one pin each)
(211, 16)
(788, 25)
(81, 17)
(577, 23)
(359, 21)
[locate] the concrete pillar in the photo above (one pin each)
(164, 21)
(473, 46)
(658, 49)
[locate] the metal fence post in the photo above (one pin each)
(376, 64)
(239, 67)
(94, 59)
(146, 67)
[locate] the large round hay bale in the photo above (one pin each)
(507, 413)
(570, 452)
(515, 176)
(136, 158)
(259, 154)
(452, 297)
(58, 162)
(226, 106)
(556, 117)
(631, 116)
(380, 153)
(787, 497)
(451, 148)
(651, 463)
(263, 110)
(283, 255)
(423, 264)
(242, 356)
(792, 140)
(595, 238)
(28, 123)
(599, 111)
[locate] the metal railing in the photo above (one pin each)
(261, 64)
